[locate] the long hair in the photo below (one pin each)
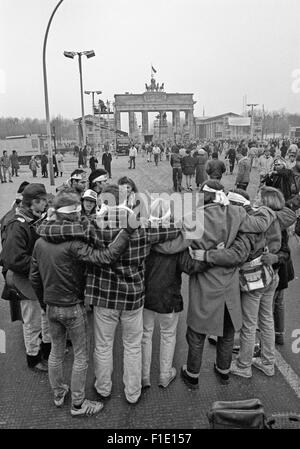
(272, 198)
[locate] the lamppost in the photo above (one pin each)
(93, 92)
(88, 54)
(108, 112)
(49, 144)
(252, 105)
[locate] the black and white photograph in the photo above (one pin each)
(150, 249)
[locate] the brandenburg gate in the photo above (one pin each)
(155, 99)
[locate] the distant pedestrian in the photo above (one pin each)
(175, 162)
(231, 155)
(156, 153)
(148, 149)
(106, 161)
(60, 165)
(93, 162)
(215, 168)
(201, 160)
(188, 164)
(132, 156)
(5, 165)
(55, 168)
(85, 155)
(14, 163)
(243, 173)
(33, 165)
(44, 163)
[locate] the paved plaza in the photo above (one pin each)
(25, 396)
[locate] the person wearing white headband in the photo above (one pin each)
(97, 180)
(214, 295)
(58, 277)
(77, 181)
(235, 197)
(220, 196)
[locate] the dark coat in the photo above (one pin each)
(106, 160)
(93, 162)
(16, 254)
(283, 180)
(285, 264)
(44, 160)
(201, 160)
(231, 154)
(215, 168)
(188, 165)
(80, 157)
(163, 280)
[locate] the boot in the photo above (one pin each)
(45, 350)
(35, 362)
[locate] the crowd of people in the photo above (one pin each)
(96, 253)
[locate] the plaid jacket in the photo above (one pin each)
(118, 286)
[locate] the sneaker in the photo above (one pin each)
(191, 382)
(165, 382)
(268, 370)
(41, 366)
(87, 408)
(59, 401)
(133, 402)
(223, 378)
(238, 371)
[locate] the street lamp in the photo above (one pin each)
(88, 54)
(49, 144)
(93, 92)
(252, 105)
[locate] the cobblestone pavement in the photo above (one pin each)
(25, 396)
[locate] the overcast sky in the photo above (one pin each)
(217, 49)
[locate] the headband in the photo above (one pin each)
(77, 177)
(69, 209)
(237, 198)
(221, 198)
(100, 178)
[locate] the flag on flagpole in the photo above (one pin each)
(153, 69)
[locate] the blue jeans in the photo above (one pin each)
(105, 324)
(279, 312)
(257, 311)
(74, 321)
(224, 347)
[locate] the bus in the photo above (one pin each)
(25, 145)
(294, 132)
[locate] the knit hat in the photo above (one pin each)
(90, 194)
(34, 191)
